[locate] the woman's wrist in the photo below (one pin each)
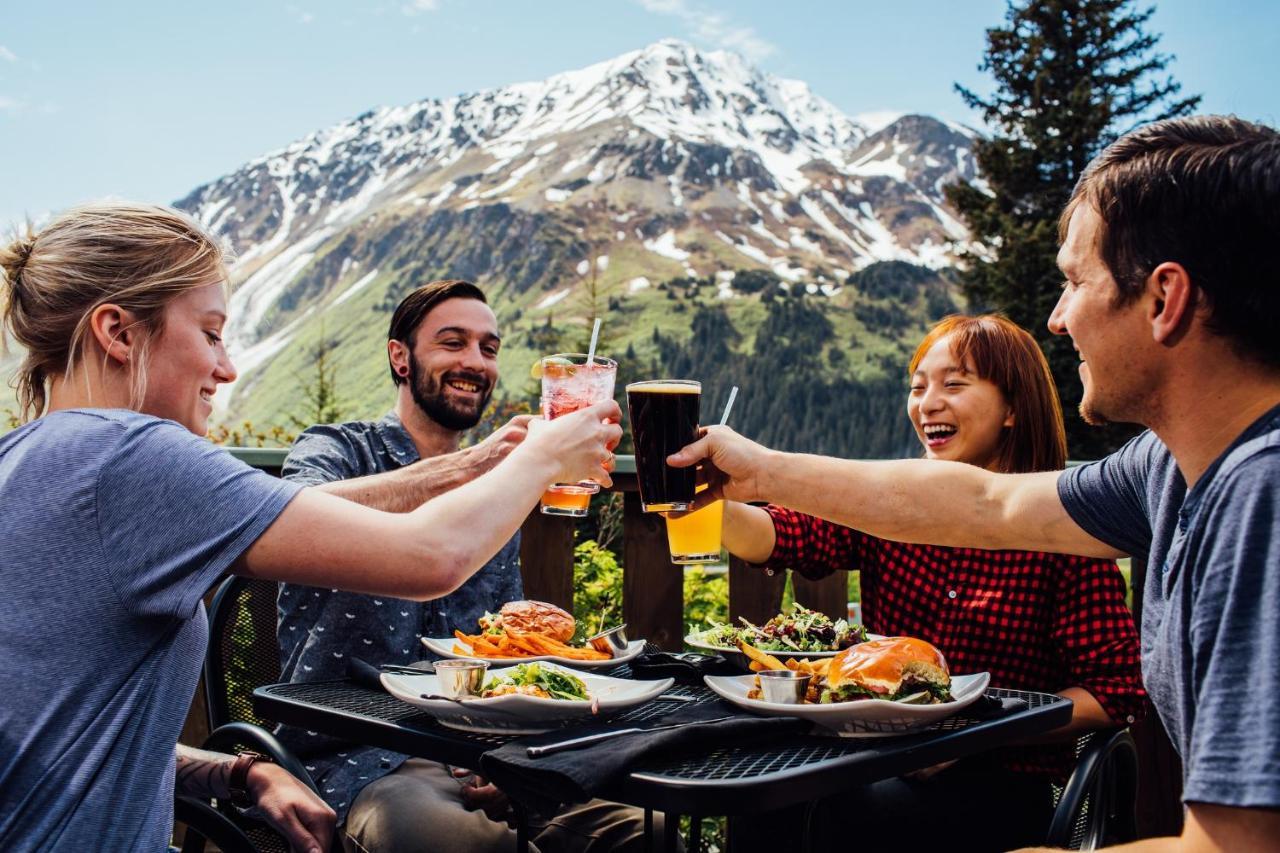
(537, 462)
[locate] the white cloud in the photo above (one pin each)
(713, 27)
(417, 7)
(10, 105)
(302, 16)
(7, 55)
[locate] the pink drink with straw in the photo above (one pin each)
(572, 381)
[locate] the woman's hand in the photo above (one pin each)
(579, 444)
(733, 466)
(292, 808)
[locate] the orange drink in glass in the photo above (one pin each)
(570, 382)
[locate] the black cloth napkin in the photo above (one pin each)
(576, 775)
(365, 674)
(989, 707)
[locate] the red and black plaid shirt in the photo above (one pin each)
(1035, 621)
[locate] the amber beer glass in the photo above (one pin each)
(695, 538)
(664, 418)
(570, 382)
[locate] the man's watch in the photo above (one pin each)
(238, 783)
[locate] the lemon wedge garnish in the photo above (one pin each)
(537, 370)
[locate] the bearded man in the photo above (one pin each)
(442, 349)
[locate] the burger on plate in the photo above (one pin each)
(530, 617)
(893, 668)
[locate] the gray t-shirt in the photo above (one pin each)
(1211, 611)
(114, 524)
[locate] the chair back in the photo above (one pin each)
(1098, 806)
(243, 653)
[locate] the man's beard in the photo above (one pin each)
(432, 398)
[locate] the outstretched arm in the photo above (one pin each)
(407, 488)
(927, 501)
(322, 540)
(289, 806)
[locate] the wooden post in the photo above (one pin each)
(546, 558)
(753, 594)
(829, 595)
(1159, 768)
(652, 586)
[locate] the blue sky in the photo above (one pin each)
(147, 99)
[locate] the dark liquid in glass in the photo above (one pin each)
(664, 418)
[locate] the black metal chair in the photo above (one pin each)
(1098, 805)
(242, 655)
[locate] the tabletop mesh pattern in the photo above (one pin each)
(735, 762)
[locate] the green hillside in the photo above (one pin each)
(821, 373)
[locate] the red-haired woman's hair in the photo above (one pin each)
(1004, 353)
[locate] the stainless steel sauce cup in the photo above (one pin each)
(784, 686)
(461, 679)
(611, 642)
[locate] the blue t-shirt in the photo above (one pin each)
(1211, 611)
(114, 525)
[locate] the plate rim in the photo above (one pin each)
(817, 712)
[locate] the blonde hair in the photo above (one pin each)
(136, 256)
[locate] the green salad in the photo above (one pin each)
(535, 679)
(796, 629)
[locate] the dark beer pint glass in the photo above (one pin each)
(664, 418)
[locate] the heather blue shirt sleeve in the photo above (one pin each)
(1233, 756)
(174, 512)
(1108, 498)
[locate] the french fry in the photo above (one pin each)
(766, 660)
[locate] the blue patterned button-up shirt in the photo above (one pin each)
(320, 629)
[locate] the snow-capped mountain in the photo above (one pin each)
(668, 160)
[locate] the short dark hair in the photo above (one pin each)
(415, 307)
(1203, 192)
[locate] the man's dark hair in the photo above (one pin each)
(414, 308)
(1203, 192)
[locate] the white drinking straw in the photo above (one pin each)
(595, 336)
(733, 395)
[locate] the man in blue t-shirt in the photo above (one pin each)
(443, 348)
(1171, 299)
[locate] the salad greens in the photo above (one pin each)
(797, 629)
(557, 683)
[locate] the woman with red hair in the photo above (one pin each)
(980, 393)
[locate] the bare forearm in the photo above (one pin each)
(202, 774)
(748, 532)
(407, 488)
(930, 502)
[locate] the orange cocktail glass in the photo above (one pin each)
(570, 382)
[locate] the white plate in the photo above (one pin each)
(519, 714)
(866, 718)
(742, 661)
(443, 646)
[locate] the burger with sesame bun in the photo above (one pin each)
(530, 617)
(893, 668)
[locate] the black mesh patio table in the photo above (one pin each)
(729, 780)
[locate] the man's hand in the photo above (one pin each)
(732, 465)
(496, 446)
(292, 808)
(479, 793)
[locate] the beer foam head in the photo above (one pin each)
(666, 386)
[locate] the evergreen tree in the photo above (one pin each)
(1071, 76)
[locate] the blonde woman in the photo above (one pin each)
(118, 516)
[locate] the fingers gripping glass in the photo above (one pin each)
(572, 381)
